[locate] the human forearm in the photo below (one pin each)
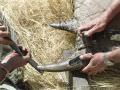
(3, 72)
(114, 56)
(111, 11)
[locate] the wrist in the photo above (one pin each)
(106, 17)
(3, 72)
(107, 60)
(8, 67)
(114, 55)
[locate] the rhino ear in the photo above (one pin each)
(69, 25)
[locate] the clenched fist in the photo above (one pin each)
(14, 60)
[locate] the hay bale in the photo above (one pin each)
(30, 19)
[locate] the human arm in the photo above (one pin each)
(98, 61)
(11, 62)
(114, 56)
(99, 24)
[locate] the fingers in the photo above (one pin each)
(101, 69)
(85, 27)
(91, 31)
(23, 50)
(88, 68)
(87, 56)
(27, 56)
(92, 69)
(91, 28)
(5, 41)
(96, 70)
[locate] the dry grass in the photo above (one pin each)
(31, 19)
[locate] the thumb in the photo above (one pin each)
(82, 28)
(91, 32)
(87, 56)
(85, 26)
(87, 68)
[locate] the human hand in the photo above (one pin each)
(4, 36)
(13, 60)
(96, 64)
(96, 25)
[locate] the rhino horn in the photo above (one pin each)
(69, 65)
(69, 25)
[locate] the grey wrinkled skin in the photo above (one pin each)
(69, 25)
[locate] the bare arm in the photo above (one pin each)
(114, 56)
(98, 61)
(112, 10)
(99, 24)
(11, 62)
